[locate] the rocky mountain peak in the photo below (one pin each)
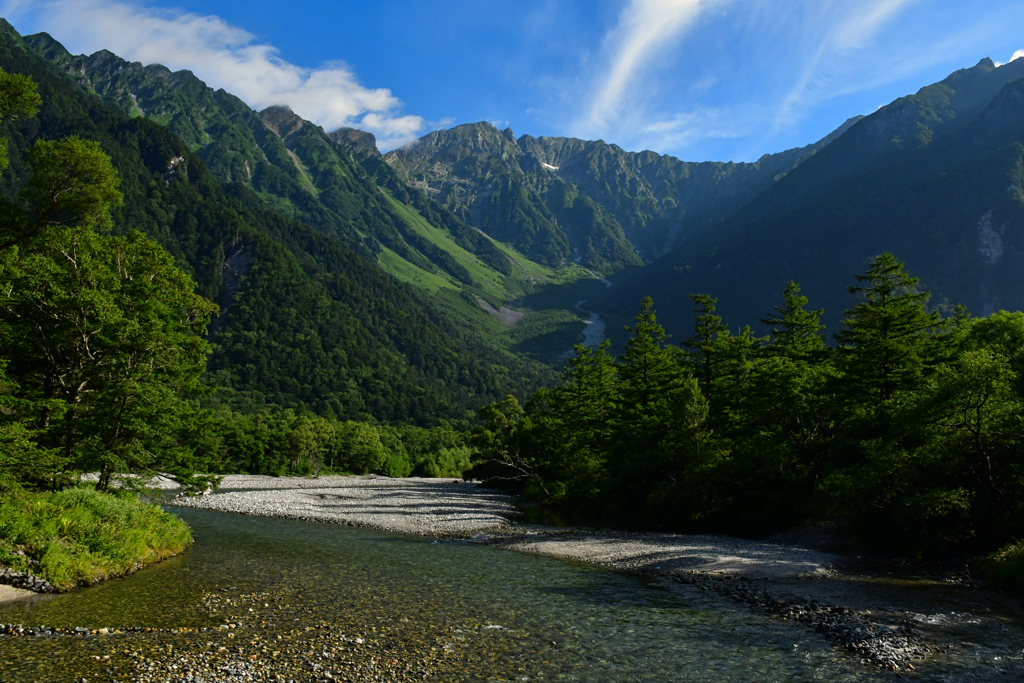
(361, 143)
(280, 119)
(46, 44)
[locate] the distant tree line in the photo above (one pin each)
(908, 428)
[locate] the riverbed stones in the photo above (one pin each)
(664, 554)
(427, 507)
(884, 638)
(24, 581)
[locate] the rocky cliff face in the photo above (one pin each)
(593, 201)
(486, 178)
(359, 142)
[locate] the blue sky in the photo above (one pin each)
(699, 79)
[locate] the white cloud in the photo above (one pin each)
(1017, 55)
(845, 29)
(224, 56)
(643, 28)
(674, 74)
(701, 123)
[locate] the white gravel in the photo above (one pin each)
(675, 554)
(451, 507)
(430, 507)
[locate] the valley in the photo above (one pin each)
(281, 401)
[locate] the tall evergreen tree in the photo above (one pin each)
(647, 368)
(659, 423)
(707, 327)
(580, 422)
(796, 332)
(885, 339)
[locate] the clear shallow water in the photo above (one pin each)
(478, 612)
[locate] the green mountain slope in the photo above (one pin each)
(330, 181)
(933, 178)
(308, 317)
(297, 168)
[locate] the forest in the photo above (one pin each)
(905, 429)
(107, 368)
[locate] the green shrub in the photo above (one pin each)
(1005, 568)
(81, 536)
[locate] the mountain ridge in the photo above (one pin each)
(945, 204)
(308, 320)
(645, 202)
(298, 169)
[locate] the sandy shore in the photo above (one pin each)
(10, 594)
(450, 507)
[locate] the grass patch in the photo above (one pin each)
(397, 266)
(80, 536)
(492, 285)
(545, 335)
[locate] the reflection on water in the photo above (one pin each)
(493, 615)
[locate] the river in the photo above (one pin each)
(449, 611)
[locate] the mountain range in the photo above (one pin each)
(588, 201)
(313, 313)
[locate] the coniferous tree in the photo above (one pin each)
(885, 339)
(646, 369)
(659, 423)
(707, 328)
(580, 421)
(795, 330)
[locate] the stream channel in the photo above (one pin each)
(411, 608)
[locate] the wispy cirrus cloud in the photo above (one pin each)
(844, 29)
(224, 56)
(644, 28)
(674, 74)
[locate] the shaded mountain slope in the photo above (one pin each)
(933, 178)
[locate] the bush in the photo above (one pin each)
(1005, 568)
(81, 536)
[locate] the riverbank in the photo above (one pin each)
(451, 508)
(12, 594)
(673, 554)
(447, 508)
(873, 617)
(56, 541)
(295, 596)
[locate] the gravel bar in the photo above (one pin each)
(10, 593)
(674, 554)
(454, 508)
(427, 507)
